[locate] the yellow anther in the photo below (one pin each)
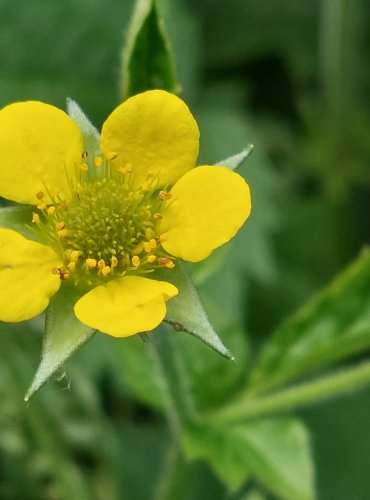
(75, 255)
(60, 225)
(114, 261)
(41, 206)
(98, 161)
(164, 262)
(137, 250)
(106, 270)
(151, 259)
(50, 210)
(101, 263)
(84, 167)
(72, 266)
(62, 232)
(40, 195)
(149, 233)
(158, 216)
(135, 261)
(164, 195)
(127, 169)
(63, 207)
(150, 245)
(35, 218)
(63, 275)
(91, 263)
(112, 155)
(135, 196)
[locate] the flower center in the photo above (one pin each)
(107, 220)
(106, 228)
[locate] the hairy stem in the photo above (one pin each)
(247, 407)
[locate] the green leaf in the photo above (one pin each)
(64, 334)
(186, 312)
(89, 132)
(19, 219)
(254, 494)
(147, 58)
(274, 451)
(333, 325)
(222, 449)
(280, 456)
(236, 161)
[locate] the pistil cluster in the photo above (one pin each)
(105, 227)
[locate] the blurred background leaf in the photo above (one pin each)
(147, 60)
(276, 452)
(334, 325)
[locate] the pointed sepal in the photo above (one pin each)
(236, 161)
(64, 335)
(186, 312)
(90, 134)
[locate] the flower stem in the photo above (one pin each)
(171, 481)
(180, 408)
(339, 43)
(247, 407)
(179, 401)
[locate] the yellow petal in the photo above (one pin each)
(207, 207)
(155, 133)
(39, 145)
(125, 306)
(27, 280)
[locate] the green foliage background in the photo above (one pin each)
(292, 78)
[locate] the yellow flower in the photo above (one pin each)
(104, 223)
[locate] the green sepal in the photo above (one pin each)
(276, 452)
(18, 218)
(236, 161)
(147, 61)
(186, 312)
(64, 334)
(90, 134)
